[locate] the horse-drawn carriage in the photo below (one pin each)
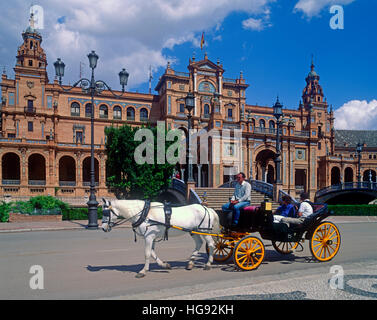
(153, 221)
(248, 250)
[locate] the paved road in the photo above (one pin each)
(83, 264)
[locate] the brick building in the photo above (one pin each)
(45, 132)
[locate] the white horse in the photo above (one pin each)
(188, 217)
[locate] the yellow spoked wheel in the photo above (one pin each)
(223, 249)
(325, 241)
(248, 253)
(284, 247)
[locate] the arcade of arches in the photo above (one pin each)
(31, 173)
(349, 174)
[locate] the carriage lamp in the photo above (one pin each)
(91, 87)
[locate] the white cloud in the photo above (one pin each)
(124, 33)
(312, 8)
(253, 24)
(357, 115)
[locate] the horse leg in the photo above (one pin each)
(211, 247)
(148, 250)
(198, 244)
(162, 264)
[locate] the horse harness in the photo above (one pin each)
(167, 213)
(144, 214)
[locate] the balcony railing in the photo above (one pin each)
(182, 74)
(262, 187)
(37, 182)
(302, 133)
(11, 181)
(29, 110)
(67, 183)
(348, 186)
(10, 140)
(266, 130)
(230, 80)
(87, 183)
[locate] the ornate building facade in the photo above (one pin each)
(45, 132)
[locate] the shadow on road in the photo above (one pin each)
(154, 267)
(227, 266)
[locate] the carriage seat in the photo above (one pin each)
(250, 209)
(246, 220)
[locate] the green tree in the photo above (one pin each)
(128, 178)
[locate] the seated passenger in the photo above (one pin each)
(286, 210)
(240, 199)
(304, 211)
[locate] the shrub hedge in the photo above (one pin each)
(79, 214)
(354, 210)
(5, 208)
(42, 205)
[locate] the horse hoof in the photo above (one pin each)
(140, 275)
(189, 266)
(207, 267)
(167, 266)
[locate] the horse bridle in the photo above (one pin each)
(106, 213)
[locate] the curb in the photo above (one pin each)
(48, 229)
(16, 228)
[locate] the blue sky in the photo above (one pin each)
(271, 41)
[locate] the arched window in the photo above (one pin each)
(75, 109)
(88, 110)
(143, 114)
(130, 113)
(103, 111)
(262, 123)
(117, 113)
(271, 125)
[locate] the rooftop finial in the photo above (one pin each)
(31, 20)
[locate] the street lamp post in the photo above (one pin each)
(190, 104)
(91, 87)
(278, 113)
(359, 149)
(248, 122)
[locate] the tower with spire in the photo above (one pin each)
(31, 58)
(312, 94)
